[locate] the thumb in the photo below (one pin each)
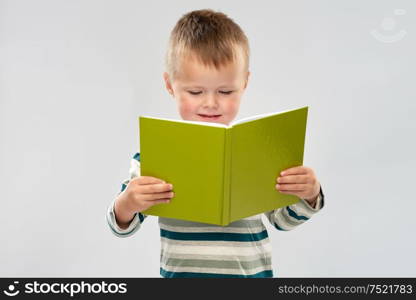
(148, 180)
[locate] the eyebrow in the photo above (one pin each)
(201, 87)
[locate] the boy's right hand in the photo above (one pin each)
(141, 193)
(145, 191)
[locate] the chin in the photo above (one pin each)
(220, 119)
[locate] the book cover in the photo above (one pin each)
(222, 173)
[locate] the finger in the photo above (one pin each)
(292, 179)
(294, 170)
(294, 193)
(153, 197)
(147, 180)
(291, 187)
(156, 188)
(165, 200)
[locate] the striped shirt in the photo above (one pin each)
(192, 249)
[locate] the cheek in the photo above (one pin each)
(231, 107)
(187, 107)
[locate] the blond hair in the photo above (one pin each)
(211, 37)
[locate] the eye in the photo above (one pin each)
(194, 93)
(226, 92)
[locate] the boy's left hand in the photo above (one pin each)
(299, 181)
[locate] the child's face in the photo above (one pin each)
(204, 91)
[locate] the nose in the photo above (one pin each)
(210, 101)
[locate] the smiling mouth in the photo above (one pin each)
(209, 116)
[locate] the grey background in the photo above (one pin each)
(75, 75)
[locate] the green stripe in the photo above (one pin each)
(123, 187)
(137, 156)
(238, 224)
(278, 227)
(213, 236)
(293, 214)
(167, 242)
(223, 256)
(287, 219)
(141, 219)
(167, 274)
(219, 264)
(116, 232)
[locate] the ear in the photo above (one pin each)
(248, 75)
(168, 83)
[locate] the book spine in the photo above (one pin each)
(227, 177)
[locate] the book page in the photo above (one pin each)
(213, 124)
(255, 117)
(260, 149)
(191, 122)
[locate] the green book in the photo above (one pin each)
(222, 173)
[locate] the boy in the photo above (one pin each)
(207, 73)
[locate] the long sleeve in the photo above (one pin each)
(138, 217)
(287, 218)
